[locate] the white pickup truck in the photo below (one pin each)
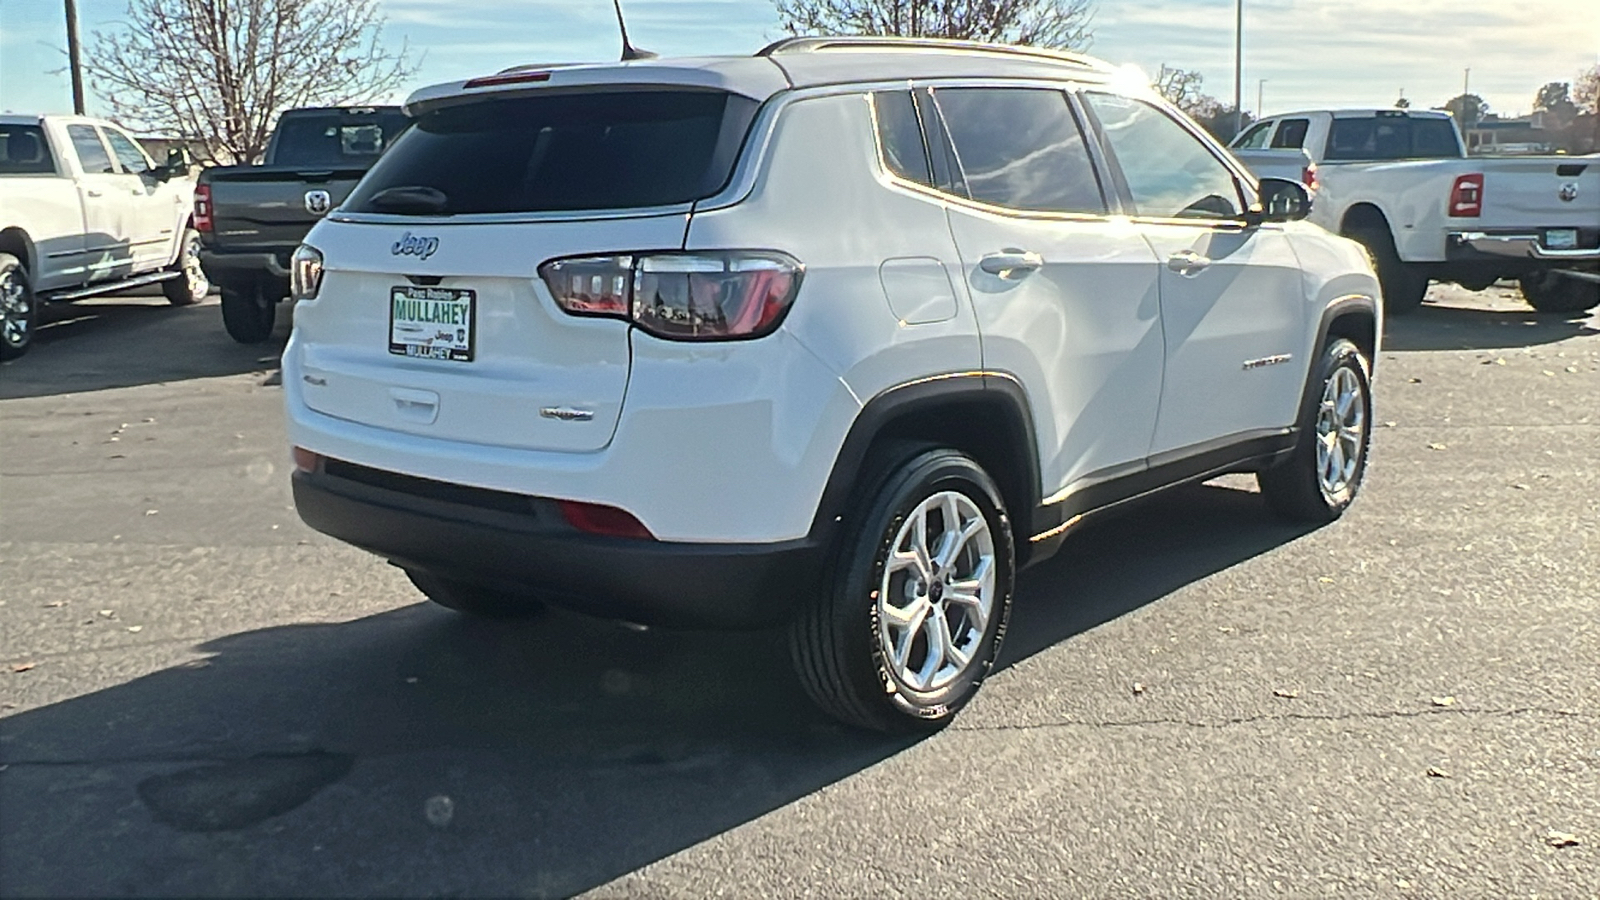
(1400, 182)
(84, 211)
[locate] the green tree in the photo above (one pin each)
(1469, 109)
(1586, 90)
(1058, 24)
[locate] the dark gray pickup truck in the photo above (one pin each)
(251, 218)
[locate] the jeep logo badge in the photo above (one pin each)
(318, 202)
(414, 245)
(1568, 192)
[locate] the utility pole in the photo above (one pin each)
(1466, 81)
(1260, 87)
(72, 57)
(1238, 65)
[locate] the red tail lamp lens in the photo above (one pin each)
(1466, 196)
(593, 518)
(306, 461)
(202, 208)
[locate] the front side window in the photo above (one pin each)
(128, 153)
(23, 151)
(91, 153)
(1170, 174)
(1291, 134)
(1020, 148)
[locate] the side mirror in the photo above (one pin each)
(177, 164)
(1283, 200)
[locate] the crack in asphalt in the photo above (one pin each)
(1280, 717)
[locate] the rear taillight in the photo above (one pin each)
(1308, 177)
(1466, 196)
(202, 208)
(708, 296)
(305, 273)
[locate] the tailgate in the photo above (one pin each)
(1541, 192)
(514, 369)
(266, 208)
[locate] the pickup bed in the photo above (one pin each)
(251, 218)
(84, 211)
(1400, 182)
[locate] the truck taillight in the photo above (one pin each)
(702, 296)
(1466, 196)
(1308, 177)
(202, 208)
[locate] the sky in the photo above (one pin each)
(1299, 54)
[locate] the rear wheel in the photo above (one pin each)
(1551, 293)
(248, 314)
(1403, 285)
(903, 633)
(191, 285)
(19, 308)
(1321, 479)
(473, 599)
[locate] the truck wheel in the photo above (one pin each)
(1403, 285)
(472, 599)
(248, 315)
(1320, 480)
(1551, 293)
(904, 631)
(191, 285)
(19, 309)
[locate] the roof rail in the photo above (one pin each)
(873, 42)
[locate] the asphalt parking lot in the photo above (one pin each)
(201, 696)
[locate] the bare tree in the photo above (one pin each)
(1586, 90)
(1181, 87)
(218, 72)
(1058, 24)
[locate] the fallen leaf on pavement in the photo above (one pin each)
(1438, 446)
(1436, 772)
(1444, 701)
(135, 628)
(1560, 839)
(107, 613)
(1285, 693)
(21, 667)
(53, 604)
(1138, 688)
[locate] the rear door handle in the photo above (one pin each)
(1011, 264)
(1187, 262)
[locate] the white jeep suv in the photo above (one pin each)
(839, 335)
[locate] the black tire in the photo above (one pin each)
(1297, 489)
(1548, 292)
(1403, 285)
(19, 308)
(839, 640)
(248, 314)
(191, 285)
(473, 599)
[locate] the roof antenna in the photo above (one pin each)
(629, 51)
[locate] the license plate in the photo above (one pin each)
(433, 323)
(1561, 239)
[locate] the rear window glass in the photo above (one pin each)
(587, 151)
(1291, 134)
(1392, 137)
(24, 152)
(335, 139)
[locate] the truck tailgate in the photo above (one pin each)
(268, 208)
(1541, 191)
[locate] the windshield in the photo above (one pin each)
(588, 151)
(1392, 137)
(335, 138)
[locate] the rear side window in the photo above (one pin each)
(585, 151)
(1291, 134)
(91, 153)
(335, 138)
(23, 151)
(1169, 172)
(1020, 148)
(1392, 137)
(900, 135)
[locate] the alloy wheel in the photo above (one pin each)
(1341, 426)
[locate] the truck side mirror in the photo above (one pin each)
(178, 163)
(1283, 200)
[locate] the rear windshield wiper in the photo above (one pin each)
(410, 198)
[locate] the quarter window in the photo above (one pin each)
(1170, 174)
(901, 136)
(1020, 148)
(91, 153)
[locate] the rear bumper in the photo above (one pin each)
(1527, 246)
(242, 270)
(509, 540)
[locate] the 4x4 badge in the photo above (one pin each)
(318, 202)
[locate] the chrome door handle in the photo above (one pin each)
(1187, 262)
(1011, 264)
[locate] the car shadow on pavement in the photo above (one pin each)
(416, 752)
(1444, 327)
(122, 341)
